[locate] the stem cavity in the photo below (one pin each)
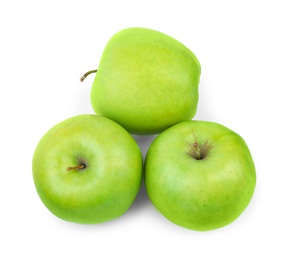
(87, 74)
(199, 150)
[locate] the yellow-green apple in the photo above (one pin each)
(146, 81)
(87, 169)
(200, 175)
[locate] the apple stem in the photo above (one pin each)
(79, 167)
(197, 150)
(87, 74)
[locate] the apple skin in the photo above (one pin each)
(109, 183)
(200, 194)
(146, 81)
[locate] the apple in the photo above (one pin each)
(87, 169)
(146, 81)
(200, 175)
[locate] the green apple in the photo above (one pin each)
(199, 175)
(146, 81)
(87, 169)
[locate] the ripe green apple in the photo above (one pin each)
(199, 175)
(146, 81)
(87, 169)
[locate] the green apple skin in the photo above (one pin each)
(109, 183)
(146, 81)
(200, 194)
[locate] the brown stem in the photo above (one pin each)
(197, 150)
(79, 167)
(87, 74)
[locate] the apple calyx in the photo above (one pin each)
(78, 167)
(87, 74)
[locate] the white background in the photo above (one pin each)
(46, 46)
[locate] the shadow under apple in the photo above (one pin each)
(142, 198)
(144, 142)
